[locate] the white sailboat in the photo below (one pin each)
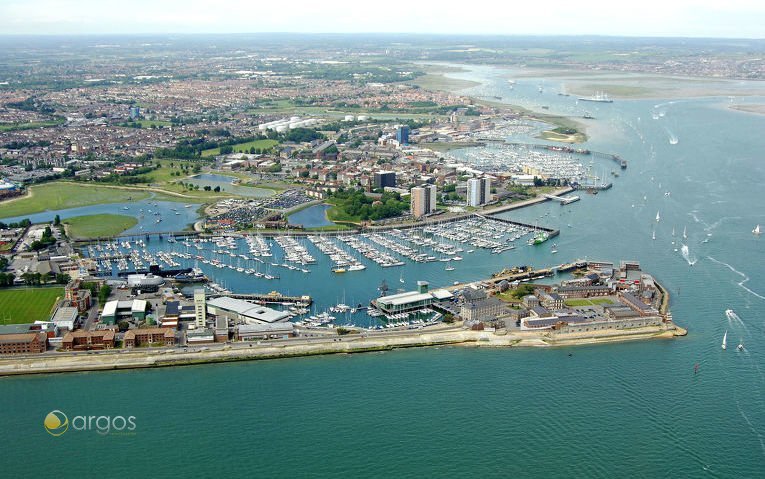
(685, 233)
(653, 235)
(401, 278)
(756, 230)
(658, 218)
(725, 340)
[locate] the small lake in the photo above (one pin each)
(311, 217)
(227, 185)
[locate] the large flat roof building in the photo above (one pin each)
(245, 311)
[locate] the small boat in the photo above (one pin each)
(449, 268)
(725, 340)
(554, 249)
(740, 346)
(732, 316)
(401, 278)
(756, 231)
(653, 235)
(339, 270)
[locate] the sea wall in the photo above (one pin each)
(133, 359)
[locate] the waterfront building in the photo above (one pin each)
(200, 336)
(478, 191)
(423, 200)
(200, 308)
(85, 340)
(402, 135)
(136, 337)
(243, 311)
(221, 329)
(23, 343)
(411, 300)
(249, 332)
(384, 178)
(487, 309)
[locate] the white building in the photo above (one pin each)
(478, 191)
(244, 311)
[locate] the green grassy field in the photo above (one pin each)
(243, 147)
(27, 305)
(95, 226)
(61, 195)
(588, 302)
(28, 126)
(150, 123)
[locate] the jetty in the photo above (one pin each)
(564, 200)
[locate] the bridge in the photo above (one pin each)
(564, 200)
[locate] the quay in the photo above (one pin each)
(274, 297)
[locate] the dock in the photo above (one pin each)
(564, 200)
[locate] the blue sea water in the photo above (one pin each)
(631, 409)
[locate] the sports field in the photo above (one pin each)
(27, 305)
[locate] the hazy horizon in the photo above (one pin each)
(740, 19)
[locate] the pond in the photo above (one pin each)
(226, 183)
(311, 217)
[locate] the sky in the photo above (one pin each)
(674, 18)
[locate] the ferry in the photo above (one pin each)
(539, 238)
(599, 97)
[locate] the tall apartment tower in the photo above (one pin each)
(200, 308)
(423, 200)
(478, 191)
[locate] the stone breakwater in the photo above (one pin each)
(133, 359)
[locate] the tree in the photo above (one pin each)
(216, 189)
(103, 293)
(57, 220)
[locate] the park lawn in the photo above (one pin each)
(97, 226)
(164, 173)
(243, 147)
(27, 305)
(336, 215)
(150, 123)
(62, 195)
(588, 302)
(29, 125)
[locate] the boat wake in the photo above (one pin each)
(687, 255)
(672, 137)
(741, 283)
(735, 319)
(751, 427)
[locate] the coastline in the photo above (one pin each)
(292, 348)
